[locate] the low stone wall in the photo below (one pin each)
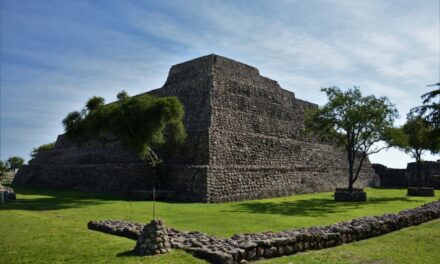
(118, 228)
(248, 247)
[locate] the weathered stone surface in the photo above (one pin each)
(6, 194)
(244, 142)
(247, 247)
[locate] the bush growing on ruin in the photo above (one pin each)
(140, 123)
(355, 122)
(41, 149)
(122, 95)
(73, 123)
(94, 103)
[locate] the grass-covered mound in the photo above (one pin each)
(50, 226)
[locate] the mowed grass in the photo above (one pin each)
(46, 226)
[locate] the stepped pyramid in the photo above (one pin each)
(244, 142)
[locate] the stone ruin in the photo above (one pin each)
(402, 178)
(244, 142)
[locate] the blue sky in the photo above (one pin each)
(57, 54)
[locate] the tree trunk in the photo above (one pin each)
(350, 171)
(419, 170)
(350, 179)
(163, 180)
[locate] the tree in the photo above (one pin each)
(40, 149)
(94, 103)
(72, 123)
(430, 111)
(15, 163)
(414, 138)
(122, 95)
(354, 122)
(140, 123)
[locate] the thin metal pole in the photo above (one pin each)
(154, 203)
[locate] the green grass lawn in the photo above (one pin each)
(45, 226)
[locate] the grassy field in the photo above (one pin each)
(45, 226)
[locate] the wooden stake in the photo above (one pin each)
(154, 203)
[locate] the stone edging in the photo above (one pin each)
(247, 247)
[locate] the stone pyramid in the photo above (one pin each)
(244, 142)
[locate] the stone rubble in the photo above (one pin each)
(153, 239)
(241, 248)
(118, 228)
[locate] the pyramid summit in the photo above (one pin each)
(244, 142)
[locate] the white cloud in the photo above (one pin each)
(385, 47)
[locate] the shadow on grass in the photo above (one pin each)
(128, 253)
(312, 207)
(47, 199)
(51, 199)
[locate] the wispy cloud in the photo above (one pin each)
(56, 55)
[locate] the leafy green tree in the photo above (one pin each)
(14, 163)
(94, 103)
(140, 123)
(430, 111)
(122, 95)
(414, 138)
(41, 149)
(73, 124)
(354, 122)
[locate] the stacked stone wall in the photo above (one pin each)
(89, 166)
(256, 145)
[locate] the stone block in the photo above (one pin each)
(422, 191)
(343, 195)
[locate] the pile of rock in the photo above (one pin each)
(246, 247)
(153, 239)
(6, 194)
